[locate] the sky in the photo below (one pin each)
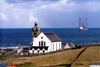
(49, 13)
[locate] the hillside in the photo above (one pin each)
(77, 58)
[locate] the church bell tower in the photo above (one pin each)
(35, 31)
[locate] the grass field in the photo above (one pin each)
(91, 54)
(4, 56)
(60, 59)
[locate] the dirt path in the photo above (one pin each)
(78, 56)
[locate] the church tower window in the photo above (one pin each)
(35, 33)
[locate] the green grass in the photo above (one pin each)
(33, 65)
(4, 56)
(91, 54)
(64, 57)
(60, 59)
(26, 65)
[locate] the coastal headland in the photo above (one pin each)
(78, 57)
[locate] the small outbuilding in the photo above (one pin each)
(19, 50)
(94, 65)
(69, 45)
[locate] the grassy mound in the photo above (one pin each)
(91, 54)
(60, 59)
(4, 56)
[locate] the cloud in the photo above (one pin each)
(48, 13)
(58, 5)
(9, 6)
(54, 5)
(32, 18)
(18, 1)
(70, 5)
(92, 6)
(84, 0)
(61, 5)
(4, 5)
(4, 16)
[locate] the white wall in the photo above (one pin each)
(56, 46)
(47, 41)
(94, 65)
(30, 51)
(34, 38)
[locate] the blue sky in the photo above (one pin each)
(48, 13)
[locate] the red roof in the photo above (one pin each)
(11, 66)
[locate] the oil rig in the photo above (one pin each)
(83, 24)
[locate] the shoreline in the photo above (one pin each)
(11, 47)
(82, 44)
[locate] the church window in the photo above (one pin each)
(39, 43)
(38, 51)
(43, 51)
(35, 33)
(36, 28)
(44, 43)
(33, 51)
(41, 37)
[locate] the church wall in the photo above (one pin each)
(43, 38)
(52, 46)
(56, 46)
(30, 51)
(40, 51)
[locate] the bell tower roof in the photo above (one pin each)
(36, 26)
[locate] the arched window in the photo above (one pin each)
(43, 51)
(35, 33)
(39, 43)
(38, 51)
(44, 43)
(33, 51)
(36, 28)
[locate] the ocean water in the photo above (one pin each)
(12, 37)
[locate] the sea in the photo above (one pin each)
(14, 36)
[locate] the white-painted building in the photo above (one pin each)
(19, 50)
(94, 65)
(69, 45)
(44, 42)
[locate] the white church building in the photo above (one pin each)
(44, 42)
